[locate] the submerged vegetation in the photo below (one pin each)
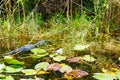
(84, 39)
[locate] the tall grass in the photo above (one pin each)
(19, 28)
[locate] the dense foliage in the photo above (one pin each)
(84, 39)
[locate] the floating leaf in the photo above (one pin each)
(118, 75)
(88, 58)
(103, 76)
(42, 72)
(112, 71)
(59, 58)
(53, 55)
(9, 78)
(42, 65)
(38, 51)
(65, 68)
(81, 47)
(29, 71)
(75, 74)
(54, 66)
(11, 60)
(74, 59)
(2, 76)
(13, 69)
(2, 67)
(39, 55)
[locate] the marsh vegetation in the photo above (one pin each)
(83, 35)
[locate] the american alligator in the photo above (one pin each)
(26, 48)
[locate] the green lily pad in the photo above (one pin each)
(9, 78)
(42, 72)
(118, 75)
(53, 55)
(11, 60)
(103, 76)
(39, 55)
(59, 58)
(38, 51)
(29, 71)
(42, 65)
(80, 47)
(88, 58)
(2, 76)
(13, 69)
(2, 67)
(65, 68)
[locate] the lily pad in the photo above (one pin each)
(39, 55)
(74, 59)
(42, 65)
(38, 51)
(11, 60)
(29, 71)
(2, 67)
(54, 66)
(118, 75)
(75, 74)
(53, 55)
(9, 78)
(88, 58)
(42, 72)
(81, 47)
(13, 69)
(103, 76)
(2, 76)
(59, 58)
(66, 69)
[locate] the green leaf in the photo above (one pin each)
(53, 55)
(88, 58)
(9, 78)
(13, 69)
(103, 76)
(39, 55)
(2, 67)
(2, 76)
(38, 51)
(42, 72)
(65, 68)
(42, 65)
(80, 47)
(11, 60)
(29, 71)
(59, 58)
(118, 75)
